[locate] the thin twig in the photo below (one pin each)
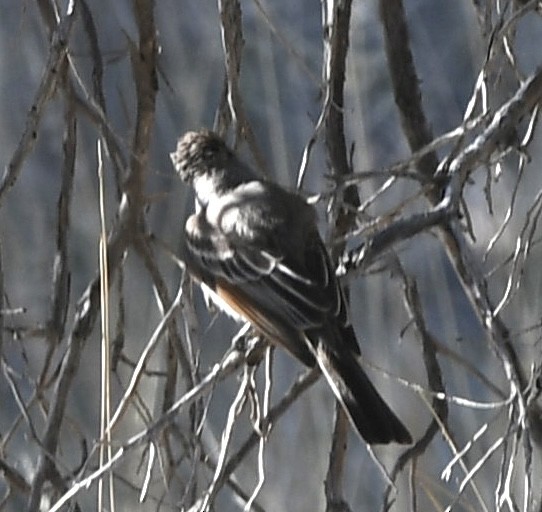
(219, 372)
(48, 84)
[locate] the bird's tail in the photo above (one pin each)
(366, 409)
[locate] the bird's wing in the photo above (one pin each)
(276, 261)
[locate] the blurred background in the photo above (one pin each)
(281, 89)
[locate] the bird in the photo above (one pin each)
(256, 248)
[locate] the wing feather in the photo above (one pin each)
(292, 283)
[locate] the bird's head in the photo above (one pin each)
(198, 154)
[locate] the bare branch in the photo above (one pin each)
(46, 90)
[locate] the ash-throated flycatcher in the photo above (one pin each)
(257, 247)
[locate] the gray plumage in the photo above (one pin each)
(257, 247)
